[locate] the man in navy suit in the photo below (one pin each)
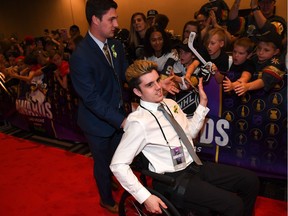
(98, 82)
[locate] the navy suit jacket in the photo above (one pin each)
(97, 87)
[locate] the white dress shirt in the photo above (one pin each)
(142, 133)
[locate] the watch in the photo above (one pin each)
(255, 9)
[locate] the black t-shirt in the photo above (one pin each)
(222, 61)
(238, 69)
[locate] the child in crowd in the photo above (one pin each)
(18, 66)
(270, 68)
(242, 68)
(62, 69)
(29, 70)
(188, 97)
(37, 65)
(214, 51)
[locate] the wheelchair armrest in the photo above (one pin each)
(160, 177)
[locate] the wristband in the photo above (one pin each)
(255, 9)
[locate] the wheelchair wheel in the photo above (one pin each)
(128, 206)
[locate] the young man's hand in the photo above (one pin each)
(202, 94)
(152, 204)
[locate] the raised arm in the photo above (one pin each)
(202, 94)
(258, 15)
(234, 10)
(191, 68)
(242, 88)
(245, 77)
(28, 78)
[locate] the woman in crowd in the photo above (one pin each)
(138, 27)
(158, 49)
(190, 26)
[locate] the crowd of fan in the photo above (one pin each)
(148, 38)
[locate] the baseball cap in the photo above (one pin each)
(151, 13)
(271, 36)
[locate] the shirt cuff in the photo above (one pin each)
(202, 111)
(142, 195)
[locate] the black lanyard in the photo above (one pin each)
(160, 124)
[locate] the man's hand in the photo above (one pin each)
(152, 204)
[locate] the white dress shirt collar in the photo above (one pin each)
(149, 105)
(98, 42)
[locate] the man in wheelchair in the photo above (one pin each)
(223, 189)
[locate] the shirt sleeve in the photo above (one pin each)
(131, 145)
(197, 121)
(271, 76)
(236, 26)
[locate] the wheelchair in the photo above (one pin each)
(172, 191)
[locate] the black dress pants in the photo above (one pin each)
(228, 190)
(102, 149)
